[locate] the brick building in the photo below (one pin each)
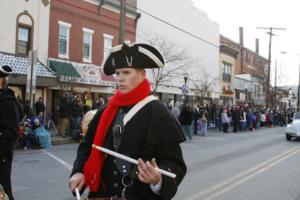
(251, 65)
(81, 34)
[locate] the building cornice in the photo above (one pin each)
(228, 50)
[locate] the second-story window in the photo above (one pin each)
(87, 44)
(107, 44)
(23, 43)
(247, 57)
(64, 38)
(227, 68)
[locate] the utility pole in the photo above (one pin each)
(269, 65)
(275, 103)
(298, 102)
(122, 21)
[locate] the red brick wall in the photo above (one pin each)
(82, 14)
(245, 67)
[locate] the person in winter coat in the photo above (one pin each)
(10, 115)
(235, 119)
(225, 120)
(204, 121)
(176, 110)
(64, 116)
(186, 120)
(76, 116)
(40, 106)
(133, 124)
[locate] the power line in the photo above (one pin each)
(174, 26)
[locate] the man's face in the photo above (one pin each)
(129, 78)
(3, 82)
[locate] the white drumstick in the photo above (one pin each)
(77, 193)
(128, 159)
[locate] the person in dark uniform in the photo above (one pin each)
(152, 136)
(10, 115)
(40, 106)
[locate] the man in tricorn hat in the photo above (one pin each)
(10, 116)
(135, 124)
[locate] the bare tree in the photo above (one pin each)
(203, 82)
(176, 59)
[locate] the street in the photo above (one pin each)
(234, 166)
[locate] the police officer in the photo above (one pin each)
(10, 116)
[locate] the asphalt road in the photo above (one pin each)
(235, 166)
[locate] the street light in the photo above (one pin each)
(290, 95)
(298, 94)
(185, 88)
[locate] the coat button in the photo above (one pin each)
(116, 185)
(124, 170)
(115, 172)
(115, 161)
(123, 166)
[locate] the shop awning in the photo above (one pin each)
(19, 65)
(64, 69)
(104, 77)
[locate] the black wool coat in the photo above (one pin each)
(10, 116)
(151, 133)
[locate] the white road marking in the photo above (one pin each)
(208, 138)
(64, 163)
(188, 145)
(227, 185)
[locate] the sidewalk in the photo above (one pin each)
(56, 139)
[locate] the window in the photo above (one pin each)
(247, 57)
(23, 43)
(87, 45)
(227, 68)
(256, 90)
(237, 95)
(64, 38)
(107, 45)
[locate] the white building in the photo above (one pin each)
(198, 35)
(248, 90)
(24, 27)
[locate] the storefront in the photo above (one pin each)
(45, 78)
(80, 81)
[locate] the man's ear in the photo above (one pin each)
(144, 73)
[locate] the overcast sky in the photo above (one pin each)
(232, 14)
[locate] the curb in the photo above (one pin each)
(57, 140)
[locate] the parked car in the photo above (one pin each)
(293, 129)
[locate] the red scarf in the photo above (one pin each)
(93, 167)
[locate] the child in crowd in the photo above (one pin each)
(42, 134)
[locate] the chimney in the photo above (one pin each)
(241, 36)
(257, 45)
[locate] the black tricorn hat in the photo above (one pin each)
(5, 70)
(138, 56)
